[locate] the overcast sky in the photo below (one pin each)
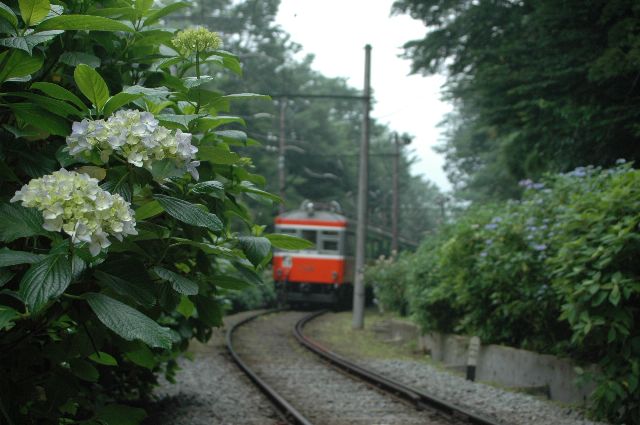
(336, 31)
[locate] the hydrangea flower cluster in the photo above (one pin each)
(196, 39)
(136, 136)
(74, 203)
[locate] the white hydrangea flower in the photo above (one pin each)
(135, 136)
(74, 203)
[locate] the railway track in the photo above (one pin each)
(268, 347)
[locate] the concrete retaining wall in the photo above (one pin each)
(507, 366)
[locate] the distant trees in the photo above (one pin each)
(539, 85)
(322, 135)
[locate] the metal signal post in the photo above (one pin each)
(363, 193)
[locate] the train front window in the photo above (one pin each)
(330, 242)
(311, 236)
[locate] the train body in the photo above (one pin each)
(323, 273)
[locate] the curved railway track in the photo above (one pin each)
(306, 392)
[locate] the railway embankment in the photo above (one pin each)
(394, 348)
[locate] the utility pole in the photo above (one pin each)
(363, 193)
(394, 209)
(281, 152)
(395, 214)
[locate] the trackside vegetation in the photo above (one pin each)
(556, 272)
(122, 204)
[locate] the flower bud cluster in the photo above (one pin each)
(74, 203)
(196, 39)
(136, 136)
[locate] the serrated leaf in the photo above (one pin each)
(155, 15)
(55, 106)
(29, 41)
(186, 307)
(137, 291)
(217, 155)
(45, 280)
(58, 92)
(255, 248)
(91, 85)
(209, 310)
(76, 58)
(178, 282)
(19, 222)
(250, 188)
(282, 241)
(189, 213)
(213, 188)
(128, 322)
(234, 135)
(18, 64)
(148, 210)
(12, 258)
(119, 414)
(41, 118)
(33, 11)
(7, 13)
(119, 100)
(7, 316)
(82, 22)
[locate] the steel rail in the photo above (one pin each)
(286, 410)
(415, 396)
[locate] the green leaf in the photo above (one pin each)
(119, 414)
(246, 96)
(127, 322)
(217, 155)
(91, 85)
(165, 169)
(45, 280)
(182, 121)
(7, 13)
(119, 100)
(186, 307)
(208, 123)
(208, 310)
(189, 213)
(18, 64)
(76, 58)
(12, 258)
(288, 242)
(103, 358)
(141, 356)
(255, 248)
(82, 22)
(138, 291)
(246, 186)
(33, 11)
(156, 15)
(213, 188)
(29, 41)
(19, 222)
(58, 92)
(148, 210)
(41, 118)
(178, 282)
(7, 316)
(84, 370)
(230, 282)
(55, 106)
(232, 135)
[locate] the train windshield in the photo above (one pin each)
(329, 242)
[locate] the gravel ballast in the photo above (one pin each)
(211, 390)
(506, 406)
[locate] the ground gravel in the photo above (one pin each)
(211, 390)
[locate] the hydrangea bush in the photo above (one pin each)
(122, 215)
(556, 272)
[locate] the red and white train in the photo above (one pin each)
(323, 273)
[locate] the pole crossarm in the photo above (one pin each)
(319, 96)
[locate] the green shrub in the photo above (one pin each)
(555, 272)
(107, 270)
(387, 277)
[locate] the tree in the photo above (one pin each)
(539, 85)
